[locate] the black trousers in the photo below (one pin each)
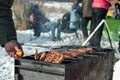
(84, 24)
(36, 27)
(97, 15)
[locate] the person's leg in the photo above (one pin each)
(98, 15)
(92, 27)
(58, 27)
(53, 31)
(84, 23)
(36, 28)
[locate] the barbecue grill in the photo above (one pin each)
(94, 65)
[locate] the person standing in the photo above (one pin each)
(117, 11)
(99, 11)
(86, 16)
(8, 37)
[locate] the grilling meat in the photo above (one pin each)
(80, 51)
(43, 55)
(36, 56)
(54, 57)
(57, 56)
(66, 55)
(50, 56)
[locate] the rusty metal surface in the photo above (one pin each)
(93, 66)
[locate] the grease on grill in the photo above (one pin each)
(55, 56)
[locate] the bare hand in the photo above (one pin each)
(12, 47)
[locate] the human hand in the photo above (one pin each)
(12, 47)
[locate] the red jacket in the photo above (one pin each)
(101, 4)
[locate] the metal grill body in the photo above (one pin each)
(90, 66)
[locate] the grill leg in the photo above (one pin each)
(17, 75)
(119, 42)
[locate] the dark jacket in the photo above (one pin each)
(87, 8)
(7, 29)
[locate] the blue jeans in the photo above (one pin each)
(51, 26)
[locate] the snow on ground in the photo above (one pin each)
(63, 5)
(6, 66)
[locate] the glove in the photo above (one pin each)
(12, 47)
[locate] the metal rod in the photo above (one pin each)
(114, 46)
(108, 31)
(85, 42)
